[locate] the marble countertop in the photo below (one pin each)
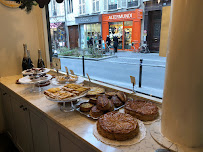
(73, 121)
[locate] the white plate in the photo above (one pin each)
(32, 71)
(26, 79)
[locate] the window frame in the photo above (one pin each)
(94, 4)
(69, 6)
(82, 6)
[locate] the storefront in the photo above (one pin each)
(125, 25)
(89, 26)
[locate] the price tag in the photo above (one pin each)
(56, 63)
(88, 76)
(71, 71)
(132, 78)
(67, 71)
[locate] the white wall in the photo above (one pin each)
(18, 27)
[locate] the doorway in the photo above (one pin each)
(154, 29)
(73, 36)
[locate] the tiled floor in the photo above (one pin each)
(6, 145)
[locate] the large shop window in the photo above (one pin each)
(139, 36)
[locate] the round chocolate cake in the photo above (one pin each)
(117, 126)
(145, 111)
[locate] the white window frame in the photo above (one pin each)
(82, 5)
(133, 6)
(94, 4)
(70, 6)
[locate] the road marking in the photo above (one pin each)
(139, 59)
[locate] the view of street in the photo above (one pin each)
(117, 70)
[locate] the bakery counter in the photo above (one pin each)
(71, 130)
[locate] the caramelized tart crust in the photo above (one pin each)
(145, 111)
(117, 126)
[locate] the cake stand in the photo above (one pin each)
(68, 101)
(27, 80)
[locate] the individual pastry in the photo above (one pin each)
(95, 91)
(117, 126)
(110, 94)
(93, 100)
(121, 96)
(86, 106)
(95, 112)
(145, 111)
(103, 103)
(111, 107)
(53, 90)
(116, 101)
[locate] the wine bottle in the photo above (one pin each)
(40, 63)
(30, 64)
(25, 58)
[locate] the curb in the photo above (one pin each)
(94, 59)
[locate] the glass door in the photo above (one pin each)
(127, 38)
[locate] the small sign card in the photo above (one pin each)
(132, 78)
(67, 71)
(71, 71)
(56, 63)
(88, 76)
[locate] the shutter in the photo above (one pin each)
(124, 3)
(105, 5)
(119, 5)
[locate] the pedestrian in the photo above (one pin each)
(108, 40)
(88, 44)
(115, 43)
(91, 42)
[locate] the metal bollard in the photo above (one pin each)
(140, 75)
(83, 65)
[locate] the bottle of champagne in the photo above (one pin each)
(25, 58)
(30, 64)
(40, 63)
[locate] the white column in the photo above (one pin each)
(182, 119)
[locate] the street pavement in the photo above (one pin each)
(118, 70)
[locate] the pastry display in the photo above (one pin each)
(86, 106)
(95, 91)
(116, 101)
(68, 91)
(121, 96)
(103, 103)
(111, 106)
(117, 126)
(95, 112)
(145, 111)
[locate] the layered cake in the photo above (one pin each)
(145, 111)
(117, 126)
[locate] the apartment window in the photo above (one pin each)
(60, 9)
(54, 9)
(95, 5)
(70, 6)
(132, 3)
(112, 4)
(82, 6)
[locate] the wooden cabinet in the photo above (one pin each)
(40, 133)
(8, 114)
(67, 145)
(22, 126)
(32, 131)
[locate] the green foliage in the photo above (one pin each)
(66, 52)
(26, 4)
